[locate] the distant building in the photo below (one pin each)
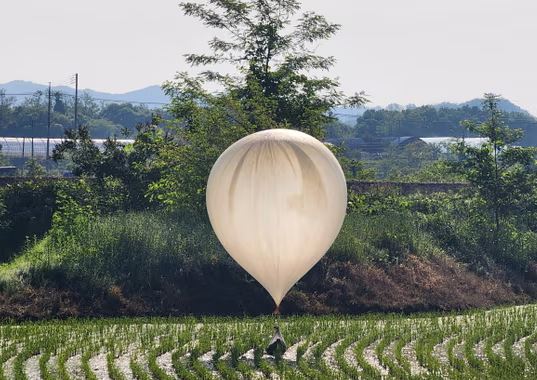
(373, 146)
(444, 142)
(27, 147)
(379, 146)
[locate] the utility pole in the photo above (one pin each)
(76, 100)
(48, 120)
(32, 138)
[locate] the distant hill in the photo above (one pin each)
(153, 96)
(349, 115)
(504, 104)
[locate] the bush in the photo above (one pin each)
(134, 250)
(383, 238)
(461, 226)
(26, 210)
(162, 258)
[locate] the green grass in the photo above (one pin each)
(223, 342)
(133, 249)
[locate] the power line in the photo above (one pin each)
(99, 99)
(29, 94)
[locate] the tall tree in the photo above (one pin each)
(271, 47)
(6, 104)
(59, 104)
(503, 175)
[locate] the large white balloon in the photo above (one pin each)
(276, 200)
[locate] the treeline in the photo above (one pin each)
(29, 117)
(428, 121)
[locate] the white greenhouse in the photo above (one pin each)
(26, 147)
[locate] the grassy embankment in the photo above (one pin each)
(157, 264)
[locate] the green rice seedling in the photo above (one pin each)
(226, 371)
(368, 370)
(392, 364)
(154, 368)
(403, 362)
(62, 360)
(514, 364)
(191, 342)
(494, 359)
(202, 347)
(86, 368)
(475, 364)
(18, 364)
(531, 355)
(179, 368)
(43, 368)
(267, 368)
(457, 365)
(300, 351)
(345, 367)
(387, 337)
(113, 370)
(424, 352)
(6, 353)
(137, 371)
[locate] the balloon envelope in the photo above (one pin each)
(276, 200)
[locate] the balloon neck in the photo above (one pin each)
(276, 311)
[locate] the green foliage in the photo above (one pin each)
(70, 218)
(461, 226)
(503, 177)
(433, 172)
(26, 210)
(29, 118)
(123, 172)
(133, 250)
(272, 49)
(212, 123)
(34, 169)
(272, 87)
(353, 169)
(401, 162)
(428, 121)
(381, 228)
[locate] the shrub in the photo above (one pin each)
(26, 208)
(26, 211)
(384, 237)
(131, 249)
(460, 225)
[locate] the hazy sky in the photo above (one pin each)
(413, 51)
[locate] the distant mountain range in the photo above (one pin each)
(153, 97)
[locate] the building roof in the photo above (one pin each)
(471, 141)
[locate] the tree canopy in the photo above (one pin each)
(429, 121)
(271, 47)
(28, 117)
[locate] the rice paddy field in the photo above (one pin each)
(496, 344)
